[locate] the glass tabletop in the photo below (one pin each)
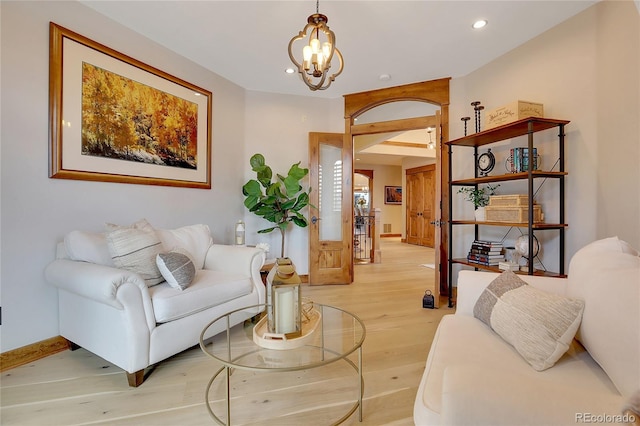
(337, 334)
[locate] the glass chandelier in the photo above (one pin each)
(319, 50)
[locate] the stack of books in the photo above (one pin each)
(486, 252)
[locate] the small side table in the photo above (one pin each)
(266, 268)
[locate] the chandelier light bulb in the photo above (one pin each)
(315, 45)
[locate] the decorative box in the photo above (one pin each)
(515, 214)
(509, 200)
(512, 112)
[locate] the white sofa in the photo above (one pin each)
(473, 376)
(121, 316)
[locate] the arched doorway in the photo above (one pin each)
(434, 92)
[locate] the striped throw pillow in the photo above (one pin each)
(135, 250)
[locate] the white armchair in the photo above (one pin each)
(113, 313)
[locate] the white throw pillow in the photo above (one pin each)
(176, 268)
(194, 239)
(538, 324)
(88, 247)
(135, 250)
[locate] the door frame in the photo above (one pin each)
(435, 92)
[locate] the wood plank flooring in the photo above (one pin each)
(79, 388)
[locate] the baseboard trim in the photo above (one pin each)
(33, 352)
(390, 235)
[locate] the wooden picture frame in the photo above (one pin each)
(115, 119)
(393, 194)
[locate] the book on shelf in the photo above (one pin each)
(492, 251)
(493, 260)
(487, 243)
(492, 263)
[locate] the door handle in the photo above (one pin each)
(314, 219)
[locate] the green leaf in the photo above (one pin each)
(252, 188)
(297, 172)
(256, 161)
(267, 230)
(288, 205)
(251, 201)
(292, 185)
(264, 176)
(300, 221)
(301, 202)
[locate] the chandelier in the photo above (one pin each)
(318, 52)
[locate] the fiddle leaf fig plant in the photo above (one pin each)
(279, 201)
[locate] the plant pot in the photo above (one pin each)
(481, 214)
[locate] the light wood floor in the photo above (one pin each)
(78, 388)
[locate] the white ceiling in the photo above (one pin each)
(246, 41)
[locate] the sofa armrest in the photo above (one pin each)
(471, 284)
(103, 284)
(237, 259)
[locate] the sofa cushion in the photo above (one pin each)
(135, 250)
(539, 325)
(176, 268)
(606, 275)
(208, 289)
(462, 340)
(195, 239)
(88, 247)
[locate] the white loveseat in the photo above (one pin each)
(473, 376)
(124, 317)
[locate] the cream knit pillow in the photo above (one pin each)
(539, 325)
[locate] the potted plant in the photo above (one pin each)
(279, 201)
(479, 196)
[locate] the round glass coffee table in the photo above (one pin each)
(338, 335)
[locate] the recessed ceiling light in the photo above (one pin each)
(384, 77)
(289, 70)
(480, 24)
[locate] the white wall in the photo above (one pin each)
(584, 70)
(38, 211)
(278, 126)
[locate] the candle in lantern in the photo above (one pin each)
(285, 311)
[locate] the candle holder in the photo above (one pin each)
(465, 119)
(284, 301)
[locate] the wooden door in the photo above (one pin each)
(331, 224)
(421, 205)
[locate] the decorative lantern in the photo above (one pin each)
(284, 301)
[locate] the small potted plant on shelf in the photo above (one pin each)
(479, 196)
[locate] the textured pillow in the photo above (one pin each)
(176, 268)
(135, 250)
(539, 325)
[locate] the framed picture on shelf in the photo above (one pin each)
(393, 195)
(113, 118)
